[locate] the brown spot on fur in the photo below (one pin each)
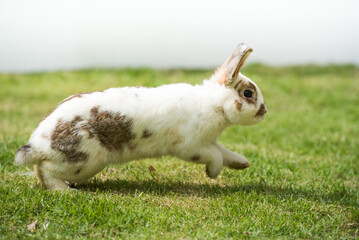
(66, 139)
(262, 110)
(195, 157)
(78, 171)
(238, 105)
(146, 133)
(87, 129)
(113, 130)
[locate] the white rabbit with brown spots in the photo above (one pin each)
(88, 131)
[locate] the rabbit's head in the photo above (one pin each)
(246, 104)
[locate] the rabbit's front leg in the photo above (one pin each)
(209, 155)
(47, 180)
(232, 159)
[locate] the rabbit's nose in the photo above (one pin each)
(262, 110)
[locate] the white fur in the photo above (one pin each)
(184, 120)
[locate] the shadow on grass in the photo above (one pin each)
(208, 190)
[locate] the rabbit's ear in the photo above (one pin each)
(233, 65)
(235, 62)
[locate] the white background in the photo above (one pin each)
(40, 35)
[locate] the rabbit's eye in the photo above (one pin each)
(248, 93)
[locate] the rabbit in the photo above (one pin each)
(88, 131)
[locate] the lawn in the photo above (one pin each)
(303, 181)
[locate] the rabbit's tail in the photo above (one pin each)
(25, 156)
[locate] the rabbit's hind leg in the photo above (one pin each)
(233, 160)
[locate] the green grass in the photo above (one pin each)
(303, 181)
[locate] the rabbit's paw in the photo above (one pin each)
(233, 160)
(213, 159)
(214, 168)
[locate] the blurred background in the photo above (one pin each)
(42, 35)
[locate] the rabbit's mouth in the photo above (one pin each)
(262, 110)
